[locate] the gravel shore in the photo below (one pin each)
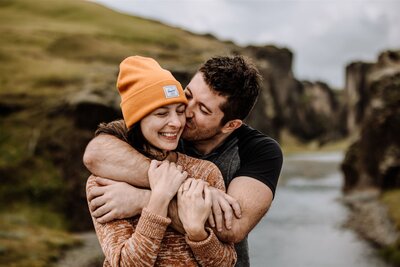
(369, 218)
(89, 254)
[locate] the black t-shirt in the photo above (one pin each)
(260, 156)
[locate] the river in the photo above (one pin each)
(304, 225)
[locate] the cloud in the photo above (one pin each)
(325, 35)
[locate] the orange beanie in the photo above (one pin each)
(144, 86)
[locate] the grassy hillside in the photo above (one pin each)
(50, 50)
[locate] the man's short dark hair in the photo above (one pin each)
(236, 78)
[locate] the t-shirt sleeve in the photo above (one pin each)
(261, 158)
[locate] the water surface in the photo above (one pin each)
(304, 224)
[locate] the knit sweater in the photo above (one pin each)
(147, 240)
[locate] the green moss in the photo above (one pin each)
(25, 242)
(291, 145)
(392, 254)
(392, 199)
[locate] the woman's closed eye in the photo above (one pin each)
(161, 114)
(180, 111)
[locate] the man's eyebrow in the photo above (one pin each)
(200, 103)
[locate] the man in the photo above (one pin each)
(220, 96)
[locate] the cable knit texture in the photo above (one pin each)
(147, 240)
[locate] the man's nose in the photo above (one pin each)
(189, 111)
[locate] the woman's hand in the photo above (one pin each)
(165, 179)
(194, 208)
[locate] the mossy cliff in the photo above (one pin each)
(373, 160)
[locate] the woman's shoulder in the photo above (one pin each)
(201, 169)
(188, 161)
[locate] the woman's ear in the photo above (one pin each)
(231, 125)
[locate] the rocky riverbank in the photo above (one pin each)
(88, 254)
(369, 217)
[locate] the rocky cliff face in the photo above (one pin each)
(374, 159)
(308, 110)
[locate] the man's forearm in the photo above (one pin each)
(236, 234)
(108, 156)
(254, 198)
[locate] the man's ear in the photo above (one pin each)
(232, 125)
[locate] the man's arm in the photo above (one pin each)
(254, 198)
(107, 198)
(108, 156)
(254, 183)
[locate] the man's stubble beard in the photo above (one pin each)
(200, 135)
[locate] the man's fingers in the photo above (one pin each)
(100, 211)
(104, 181)
(211, 220)
(217, 214)
(228, 212)
(235, 206)
(94, 192)
(207, 195)
(96, 203)
(106, 218)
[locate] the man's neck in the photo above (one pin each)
(205, 147)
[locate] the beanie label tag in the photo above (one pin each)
(170, 91)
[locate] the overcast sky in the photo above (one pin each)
(325, 35)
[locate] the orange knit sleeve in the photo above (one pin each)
(125, 243)
(211, 251)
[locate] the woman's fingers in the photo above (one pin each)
(186, 184)
(153, 165)
(207, 195)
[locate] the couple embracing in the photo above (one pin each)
(181, 181)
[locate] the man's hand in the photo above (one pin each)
(223, 208)
(112, 200)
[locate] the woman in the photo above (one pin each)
(153, 106)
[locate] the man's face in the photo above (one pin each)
(203, 113)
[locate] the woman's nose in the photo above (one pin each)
(175, 121)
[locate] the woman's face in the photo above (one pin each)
(163, 127)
